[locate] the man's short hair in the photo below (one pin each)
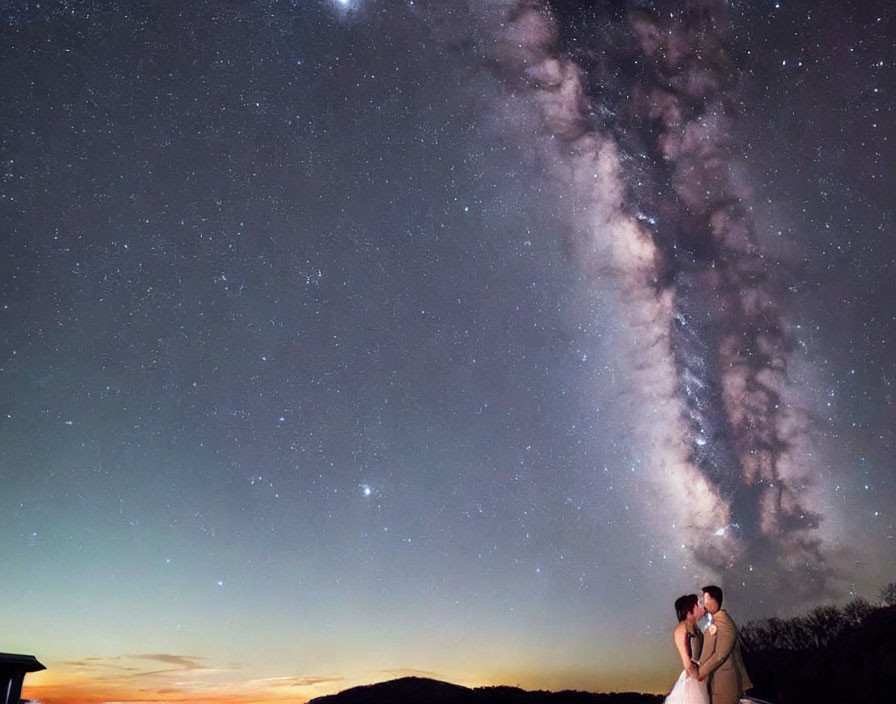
(715, 592)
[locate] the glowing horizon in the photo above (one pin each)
(74, 686)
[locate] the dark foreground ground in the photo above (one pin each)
(826, 657)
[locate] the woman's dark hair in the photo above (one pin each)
(684, 605)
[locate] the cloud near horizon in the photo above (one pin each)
(184, 662)
(99, 680)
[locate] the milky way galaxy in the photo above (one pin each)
(349, 340)
(645, 117)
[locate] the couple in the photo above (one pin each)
(713, 670)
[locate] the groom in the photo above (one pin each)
(720, 660)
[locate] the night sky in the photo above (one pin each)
(348, 339)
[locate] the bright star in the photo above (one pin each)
(345, 8)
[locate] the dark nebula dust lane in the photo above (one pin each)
(661, 89)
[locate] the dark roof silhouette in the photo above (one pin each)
(13, 669)
(25, 663)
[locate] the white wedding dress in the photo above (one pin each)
(688, 690)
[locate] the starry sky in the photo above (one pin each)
(348, 339)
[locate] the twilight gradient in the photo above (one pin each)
(346, 340)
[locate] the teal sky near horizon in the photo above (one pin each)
(345, 340)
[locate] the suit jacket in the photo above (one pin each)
(721, 659)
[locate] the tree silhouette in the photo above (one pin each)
(830, 655)
(816, 629)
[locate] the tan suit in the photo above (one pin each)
(721, 661)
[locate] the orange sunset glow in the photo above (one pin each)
(184, 686)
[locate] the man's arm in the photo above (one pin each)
(709, 646)
(725, 638)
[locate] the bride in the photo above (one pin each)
(688, 641)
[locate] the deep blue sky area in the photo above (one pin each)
(343, 340)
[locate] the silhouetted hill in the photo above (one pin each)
(406, 689)
(858, 666)
(419, 690)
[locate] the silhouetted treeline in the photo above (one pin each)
(831, 655)
(419, 690)
(817, 629)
